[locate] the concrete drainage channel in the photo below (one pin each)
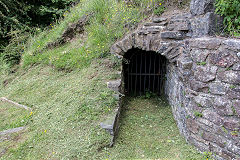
(202, 77)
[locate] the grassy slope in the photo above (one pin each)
(12, 116)
(107, 24)
(67, 109)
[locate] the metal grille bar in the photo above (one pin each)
(144, 72)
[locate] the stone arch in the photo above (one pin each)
(203, 77)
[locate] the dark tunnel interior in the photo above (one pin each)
(144, 71)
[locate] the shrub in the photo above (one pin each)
(230, 9)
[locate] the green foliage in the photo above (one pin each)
(18, 19)
(159, 10)
(198, 114)
(230, 9)
(202, 63)
(21, 14)
(208, 155)
(12, 52)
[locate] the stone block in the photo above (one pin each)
(192, 126)
(127, 43)
(233, 148)
(206, 123)
(213, 138)
(179, 25)
(232, 77)
(114, 85)
(236, 67)
(236, 105)
(205, 73)
(223, 59)
(199, 55)
(232, 44)
(197, 85)
(116, 50)
(159, 19)
(206, 25)
(234, 93)
(231, 123)
(198, 7)
(212, 116)
(173, 35)
(223, 106)
(205, 43)
(204, 100)
(185, 62)
(218, 88)
(238, 54)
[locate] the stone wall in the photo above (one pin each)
(203, 75)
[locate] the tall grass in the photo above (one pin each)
(106, 26)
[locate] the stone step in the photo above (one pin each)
(155, 24)
(159, 19)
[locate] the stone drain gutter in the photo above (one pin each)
(111, 124)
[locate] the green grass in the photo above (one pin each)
(148, 131)
(12, 116)
(106, 26)
(12, 142)
(67, 110)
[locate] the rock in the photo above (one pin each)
(205, 73)
(71, 31)
(213, 138)
(192, 126)
(212, 116)
(238, 54)
(199, 55)
(197, 85)
(169, 50)
(139, 41)
(150, 24)
(236, 105)
(11, 131)
(223, 106)
(234, 93)
(206, 25)
(198, 7)
(203, 100)
(232, 44)
(232, 124)
(185, 62)
(222, 59)
(127, 43)
(158, 20)
(232, 77)
(173, 35)
(236, 67)
(116, 50)
(114, 85)
(172, 54)
(218, 88)
(179, 25)
(233, 148)
(205, 43)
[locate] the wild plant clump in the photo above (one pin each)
(230, 9)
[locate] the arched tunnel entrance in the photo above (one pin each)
(144, 71)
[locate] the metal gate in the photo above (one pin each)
(144, 72)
